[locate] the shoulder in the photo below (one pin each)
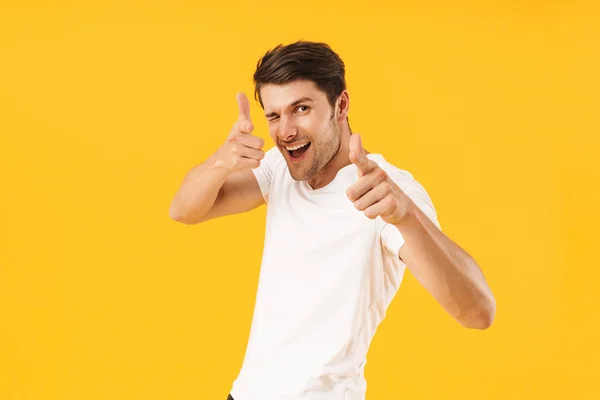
(268, 170)
(398, 175)
(271, 162)
(409, 185)
(273, 156)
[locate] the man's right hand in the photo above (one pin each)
(241, 150)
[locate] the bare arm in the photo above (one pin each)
(447, 271)
(224, 184)
(210, 191)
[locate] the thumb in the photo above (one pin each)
(357, 153)
(243, 106)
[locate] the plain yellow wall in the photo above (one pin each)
(104, 107)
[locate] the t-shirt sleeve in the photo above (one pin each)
(391, 237)
(265, 171)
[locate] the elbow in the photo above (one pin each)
(481, 317)
(179, 214)
(482, 322)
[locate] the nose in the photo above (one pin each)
(287, 129)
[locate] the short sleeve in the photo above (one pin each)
(391, 237)
(265, 171)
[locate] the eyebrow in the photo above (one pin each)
(300, 100)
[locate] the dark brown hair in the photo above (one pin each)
(306, 60)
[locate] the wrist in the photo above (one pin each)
(217, 164)
(409, 212)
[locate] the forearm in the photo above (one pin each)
(198, 191)
(446, 271)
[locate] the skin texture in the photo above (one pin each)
(314, 121)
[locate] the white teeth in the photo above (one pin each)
(296, 147)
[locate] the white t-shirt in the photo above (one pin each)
(328, 274)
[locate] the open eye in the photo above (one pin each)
(302, 107)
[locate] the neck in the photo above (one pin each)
(337, 162)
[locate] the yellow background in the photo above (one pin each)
(104, 107)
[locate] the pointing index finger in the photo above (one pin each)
(244, 106)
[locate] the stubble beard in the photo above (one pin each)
(322, 154)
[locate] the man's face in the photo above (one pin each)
(302, 126)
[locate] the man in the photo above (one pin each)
(342, 225)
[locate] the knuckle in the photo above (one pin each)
(255, 143)
(385, 187)
(389, 202)
(236, 134)
(350, 193)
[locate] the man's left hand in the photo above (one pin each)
(375, 192)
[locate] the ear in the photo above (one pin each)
(342, 106)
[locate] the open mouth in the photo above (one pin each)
(297, 152)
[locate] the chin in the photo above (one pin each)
(298, 177)
(300, 174)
